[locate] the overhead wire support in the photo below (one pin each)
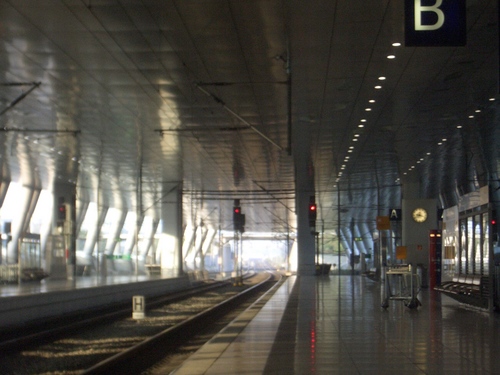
(21, 130)
(221, 102)
(20, 97)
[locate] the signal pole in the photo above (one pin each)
(239, 228)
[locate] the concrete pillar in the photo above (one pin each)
(150, 240)
(131, 241)
(94, 231)
(81, 210)
(416, 235)
(304, 189)
(201, 233)
(114, 236)
(171, 248)
(209, 239)
(187, 245)
(4, 187)
(66, 193)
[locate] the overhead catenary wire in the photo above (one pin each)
(221, 102)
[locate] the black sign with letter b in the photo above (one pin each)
(435, 23)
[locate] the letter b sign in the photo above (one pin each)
(435, 23)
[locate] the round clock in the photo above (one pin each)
(419, 215)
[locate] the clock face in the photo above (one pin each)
(419, 215)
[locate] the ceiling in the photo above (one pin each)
(135, 98)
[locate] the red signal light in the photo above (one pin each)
(312, 207)
(237, 210)
(493, 222)
(62, 212)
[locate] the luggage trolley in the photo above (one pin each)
(404, 278)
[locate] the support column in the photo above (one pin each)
(187, 245)
(66, 193)
(304, 189)
(171, 215)
(132, 238)
(150, 241)
(415, 235)
(209, 239)
(200, 238)
(94, 231)
(114, 236)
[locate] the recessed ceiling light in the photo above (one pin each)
(382, 78)
(477, 111)
(396, 44)
(440, 143)
(355, 139)
(391, 57)
(371, 101)
(428, 153)
(361, 126)
(351, 147)
(378, 87)
(363, 120)
(356, 135)
(349, 150)
(418, 162)
(492, 99)
(471, 116)
(421, 159)
(368, 109)
(444, 139)
(459, 126)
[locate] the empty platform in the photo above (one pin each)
(335, 325)
(34, 301)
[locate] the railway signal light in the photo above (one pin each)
(61, 212)
(238, 219)
(494, 226)
(312, 210)
(312, 214)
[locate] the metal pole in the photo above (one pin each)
(338, 225)
(323, 240)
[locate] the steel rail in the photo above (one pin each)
(145, 354)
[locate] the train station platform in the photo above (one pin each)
(30, 302)
(335, 325)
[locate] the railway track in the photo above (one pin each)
(124, 345)
(33, 334)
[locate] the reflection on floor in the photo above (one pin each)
(335, 325)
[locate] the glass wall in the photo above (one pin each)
(91, 238)
(473, 257)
